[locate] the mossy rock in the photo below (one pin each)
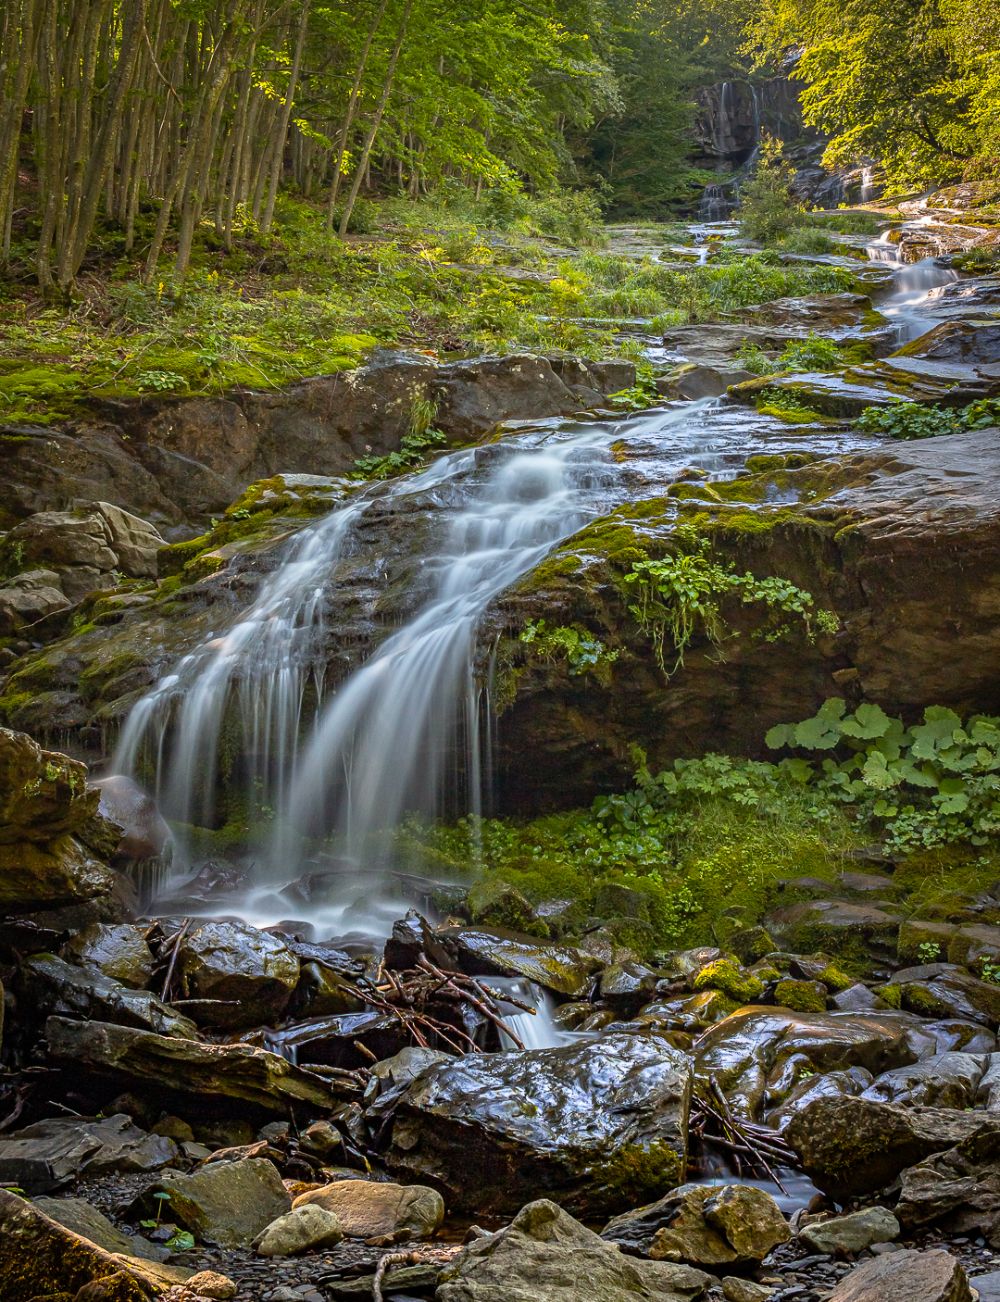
(498, 904)
(725, 974)
(801, 996)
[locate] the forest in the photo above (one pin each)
(146, 117)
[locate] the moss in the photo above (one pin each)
(727, 975)
(637, 1174)
(835, 979)
(498, 904)
(891, 995)
(801, 996)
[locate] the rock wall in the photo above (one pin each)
(178, 461)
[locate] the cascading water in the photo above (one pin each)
(405, 730)
(914, 286)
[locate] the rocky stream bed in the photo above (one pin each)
(248, 1075)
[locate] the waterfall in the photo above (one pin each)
(914, 286)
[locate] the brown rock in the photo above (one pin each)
(908, 1276)
(369, 1210)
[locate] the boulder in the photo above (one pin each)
(761, 1051)
(959, 1186)
(833, 1084)
(544, 1255)
(41, 1258)
(29, 597)
(843, 1236)
(303, 1229)
(118, 950)
(976, 342)
(947, 990)
(123, 802)
(225, 1203)
(50, 1153)
(185, 1067)
(600, 1125)
(368, 1210)
(851, 1146)
(79, 1216)
(934, 1276)
(42, 794)
(831, 924)
(959, 942)
(482, 952)
(53, 987)
(248, 974)
(703, 1225)
(948, 1080)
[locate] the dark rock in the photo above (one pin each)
(760, 1051)
(830, 924)
(184, 1067)
(824, 1085)
(948, 1080)
(547, 1256)
(248, 974)
(599, 1125)
(51, 1153)
(975, 342)
(960, 1186)
(55, 988)
(853, 1146)
(934, 1276)
(479, 952)
(79, 1216)
(946, 990)
(123, 802)
(119, 951)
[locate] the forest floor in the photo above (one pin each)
(300, 302)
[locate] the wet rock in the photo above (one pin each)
(144, 831)
(934, 1276)
(367, 1210)
(79, 1216)
(947, 990)
(41, 1258)
(852, 1146)
(118, 950)
(185, 1067)
(857, 999)
(688, 1012)
(334, 1041)
(249, 975)
(948, 1080)
(226, 1203)
(558, 968)
(817, 311)
(959, 942)
(760, 1051)
(497, 904)
(626, 986)
(959, 1186)
(834, 1084)
(55, 988)
(976, 342)
(599, 1125)
(706, 381)
(735, 1289)
(305, 1228)
(704, 1226)
(50, 1153)
(547, 1256)
(848, 1235)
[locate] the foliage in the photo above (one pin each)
(413, 452)
(914, 420)
(768, 208)
(676, 596)
(926, 785)
(582, 652)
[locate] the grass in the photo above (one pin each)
(300, 302)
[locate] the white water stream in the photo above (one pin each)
(914, 286)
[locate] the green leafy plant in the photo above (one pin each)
(676, 596)
(412, 453)
(180, 1241)
(935, 782)
(768, 207)
(582, 652)
(814, 353)
(914, 420)
(929, 951)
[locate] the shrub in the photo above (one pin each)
(768, 207)
(915, 420)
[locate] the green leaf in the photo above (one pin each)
(182, 1241)
(867, 722)
(876, 773)
(823, 731)
(782, 734)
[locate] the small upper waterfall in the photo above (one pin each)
(914, 285)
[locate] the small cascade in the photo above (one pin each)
(868, 186)
(714, 206)
(914, 286)
(537, 1030)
